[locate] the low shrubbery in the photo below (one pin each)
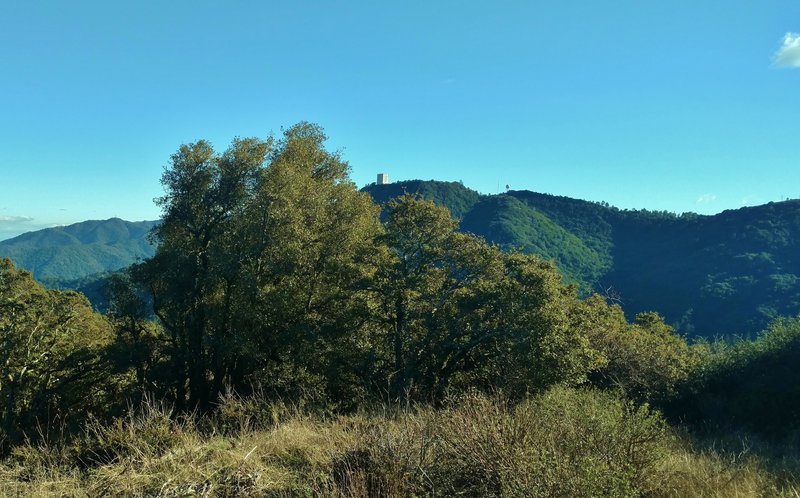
(750, 385)
(564, 442)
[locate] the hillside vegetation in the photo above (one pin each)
(563, 442)
(727, 274)
(63, 256)
(290, 337)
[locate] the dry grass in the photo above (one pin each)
(563, 443)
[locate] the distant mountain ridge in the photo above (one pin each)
(75, 252)
(709, 275)
(730, 273)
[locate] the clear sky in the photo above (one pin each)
(686, 105)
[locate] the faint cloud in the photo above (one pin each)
(11, 226)
(706, 198)
(789, 53)
(15, 219)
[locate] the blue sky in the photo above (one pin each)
(680, 105)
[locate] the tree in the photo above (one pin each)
(460, 311)
(205, 194)
(262, 253)
(310, 253)
(645, 359)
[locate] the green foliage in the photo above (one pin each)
(588, 221)
(751, 386)
(462, 313)
(265, 252)
(273, 270)
(52, 363)
(646, 360)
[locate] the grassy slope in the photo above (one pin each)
(561, 443)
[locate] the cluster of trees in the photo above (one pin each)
(273, 269)
(274, 272)
(750, 386)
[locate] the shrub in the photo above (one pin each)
(565, 442)
(751, 386)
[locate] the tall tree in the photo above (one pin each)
(205, 193)
(263, 252)
(311, 249)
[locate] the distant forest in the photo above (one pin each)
(722, 275)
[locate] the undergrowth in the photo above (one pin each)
(563, 443)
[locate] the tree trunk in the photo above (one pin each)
(399, 363)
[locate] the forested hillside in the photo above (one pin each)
(70, 256)
(726, 274)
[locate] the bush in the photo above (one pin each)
(563, 443)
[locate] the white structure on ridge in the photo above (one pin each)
(383, 179)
